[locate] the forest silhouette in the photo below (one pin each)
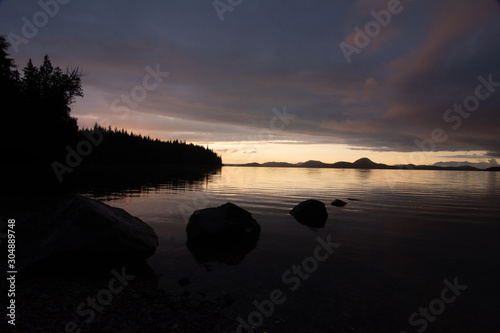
(39, 135)
(122, 147)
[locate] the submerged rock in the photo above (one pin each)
(226, 234)
(339, 203)
(75, 229)
(311, 213)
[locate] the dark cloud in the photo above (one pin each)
(226, 77)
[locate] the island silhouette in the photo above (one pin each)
(362, 163)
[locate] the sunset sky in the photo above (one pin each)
(281, 80)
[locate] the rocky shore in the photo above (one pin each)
(82, 268)
(70, 301)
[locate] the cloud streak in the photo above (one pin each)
(226, 77)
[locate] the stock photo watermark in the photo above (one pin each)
(87, 310)
(11, 271)
(372, 29)
(426, 315)
(221, 7)
(122, 105)
(140, 92)
(292, 279)
(30, 27)
(453, 116)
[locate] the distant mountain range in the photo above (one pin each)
(480, 165)
(362, 163)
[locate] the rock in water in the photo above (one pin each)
(339, 203)
(226, 223)
(225, 234)
(76, 228)
(311, 213)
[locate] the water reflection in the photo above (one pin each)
(229, 254)
(363, 174)
(493, 182)
(405, 228)
(108, 183)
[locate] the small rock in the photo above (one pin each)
(339, 203)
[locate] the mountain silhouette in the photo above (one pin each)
(366, 163)
(362, 163)
(314, 164)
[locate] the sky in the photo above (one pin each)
(261, 80)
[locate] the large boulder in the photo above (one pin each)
(311, 213)
(226, 234)
(74, 228)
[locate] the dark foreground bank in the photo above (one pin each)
(113, 299)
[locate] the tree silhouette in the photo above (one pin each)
(122, 148)
(9, 75)
(48, 94)
(37, 128)
(9, 89)
(35, 121)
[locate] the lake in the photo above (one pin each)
(416, 250)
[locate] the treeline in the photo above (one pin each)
(119, 147)
(38, 133)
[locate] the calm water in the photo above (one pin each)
(408, 231)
